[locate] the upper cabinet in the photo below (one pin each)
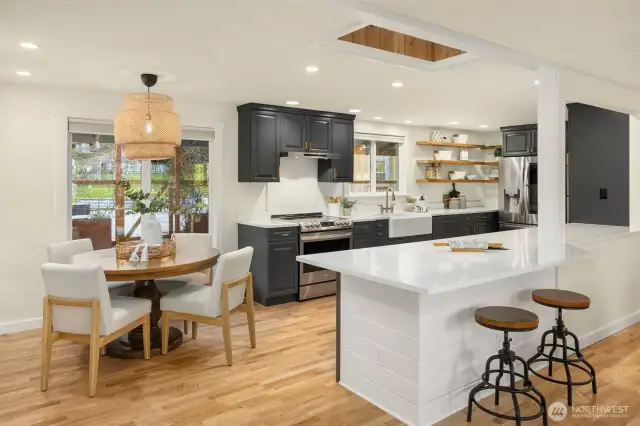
(341, 169)
(519, 141)
(266, 132)
(319, 133)
(292, 130)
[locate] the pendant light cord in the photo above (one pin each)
(148, 103)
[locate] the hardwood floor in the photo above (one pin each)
(288, 379)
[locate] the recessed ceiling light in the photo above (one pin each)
(483, 126)
(29, 45)
(292, 103)
(453, 122)
(536, 82)
(377, 118)
(312, 69)
(407, 121)
(397, 83)
(355, 111)
(23, 73)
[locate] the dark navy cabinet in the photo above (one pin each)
(266, 132)
(461, 225)
(519, 141)
(274, 266)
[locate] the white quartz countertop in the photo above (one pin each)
(433, 212)
(269, 223)
(275, 223)
(423, 268)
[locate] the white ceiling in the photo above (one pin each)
(256, 50)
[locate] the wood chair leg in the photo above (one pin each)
(103, 350)
(47, 343)
(94, 347)
(226, 335)
(194, 329)
(226, 324)
(165, 333)
(249, 311)
(186, 327)
(146, 336)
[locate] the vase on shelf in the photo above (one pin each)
(151, 231)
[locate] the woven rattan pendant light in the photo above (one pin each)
(146, 127)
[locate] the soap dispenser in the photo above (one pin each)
(422, 204)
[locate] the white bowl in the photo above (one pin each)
(461, 138)
(457, 175)
(472, 177)
(442, 155)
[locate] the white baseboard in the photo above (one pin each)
(22, 325)
(608, 330)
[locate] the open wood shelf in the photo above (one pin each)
(454, 181)
(464, 162)
(458, 145)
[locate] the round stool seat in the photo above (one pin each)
(506, 318)
(561, 299)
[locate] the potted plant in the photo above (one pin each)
(497, 152)
(411, 204)
(147, 206)
(347, 206)
(96, 227)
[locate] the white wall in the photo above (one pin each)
(634, 173)
(33, 180)
(487, 193)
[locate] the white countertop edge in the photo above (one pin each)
(268, 224)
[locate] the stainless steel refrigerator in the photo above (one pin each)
(518, 192)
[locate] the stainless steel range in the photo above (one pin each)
(319, 234)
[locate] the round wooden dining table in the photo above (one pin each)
(143, 275)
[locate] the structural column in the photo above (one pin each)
(551, 164)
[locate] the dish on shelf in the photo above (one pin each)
(472, 177)
(442, 155)
(461, 138)
(457, 175)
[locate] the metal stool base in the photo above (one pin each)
(560, 333)
(507, 357)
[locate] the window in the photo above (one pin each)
(94, 171)
(376, 166)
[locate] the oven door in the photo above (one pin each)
(321, 242)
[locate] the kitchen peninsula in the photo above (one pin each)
(406, 337)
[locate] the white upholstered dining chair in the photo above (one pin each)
(197, 243)
(77, 307)
(63, 252)
(232, 289)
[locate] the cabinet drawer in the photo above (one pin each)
(362, 228)
(381, 225)
(283, 234)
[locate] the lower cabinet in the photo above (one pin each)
(274, 266)
(460, 225)
(376, 234)
(364, 241)
(283, 268)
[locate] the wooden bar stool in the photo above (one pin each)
(506, 319)
(562, 299)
